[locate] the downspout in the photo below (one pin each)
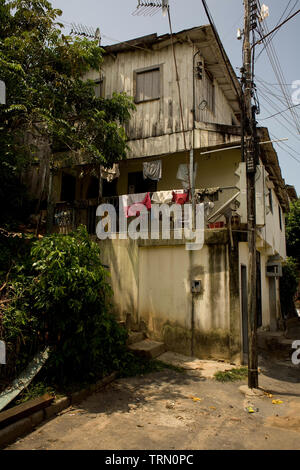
(192, 179)
(50, 204)
(192, 184)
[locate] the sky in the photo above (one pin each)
(116, 23)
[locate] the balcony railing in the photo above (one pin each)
(68, 216)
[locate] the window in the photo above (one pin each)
(271, 201)
(99, 88)
(210, 92)
(147, 83)
(280, 217)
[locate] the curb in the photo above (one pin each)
(24, 426)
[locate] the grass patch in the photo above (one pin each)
(233, 375)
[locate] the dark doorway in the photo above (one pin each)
(272, 303)
(93, 188)
(258, 290)
(244, 285)
(68, 187)
(109, 189)
(137, 184)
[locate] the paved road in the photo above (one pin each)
(157, 411)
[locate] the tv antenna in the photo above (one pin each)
(150, 8)
(86, 31)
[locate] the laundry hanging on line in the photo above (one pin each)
(109, 174)
(207, 191)
(152, 170)
(180, 197)
(162, 197)
(183, 174)
(129, 203)
(167, 197)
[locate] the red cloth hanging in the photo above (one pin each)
(180, 198)
(146, 202)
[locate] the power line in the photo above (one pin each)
(275, 63)
(288, 153)
(282, 16)
(281, 112)
(272, 84)
(269, 101)
(215, 32)
(276, 28)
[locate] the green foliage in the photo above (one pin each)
(13, 249)
(233, 375)
(293, 231)
(47, 98)
(34, 390)
(288, 287)
(62, 299)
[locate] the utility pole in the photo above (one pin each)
(251, 158)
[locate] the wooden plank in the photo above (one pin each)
(25, 409)
(24, 378)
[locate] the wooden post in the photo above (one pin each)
(251, 162)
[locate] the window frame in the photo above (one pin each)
(280, 217)
(145, 70)
(270, 197)
(210, 81)
(101, 82)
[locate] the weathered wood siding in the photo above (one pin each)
(156, 118)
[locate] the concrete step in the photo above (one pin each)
(293, 328)
(275, 343)
(135, 337)
(147, 348)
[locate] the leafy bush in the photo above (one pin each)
(293, 231)
(288, 287)
(62, 299)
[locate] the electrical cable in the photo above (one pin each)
(215, 32)
(265, 91)
(281, 112)
(281, 18)
(275, 63)
(280, 77)
(278, 119)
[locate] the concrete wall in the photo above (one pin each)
(274, 236)
(270, 295)
(214, 169)
(151, 281)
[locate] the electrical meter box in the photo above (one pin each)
(196, 286)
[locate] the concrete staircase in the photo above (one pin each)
(147, 348)
(293, 328)
(138, 343)
(144, 347)
(275, 344)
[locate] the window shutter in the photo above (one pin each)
(148, 85)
